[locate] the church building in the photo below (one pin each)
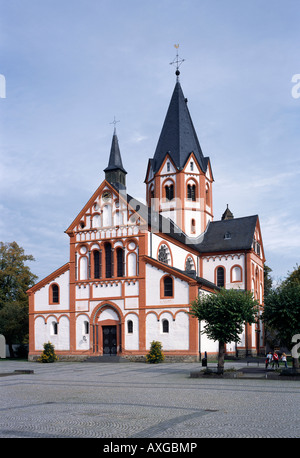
(134, 268)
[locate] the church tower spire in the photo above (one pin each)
(115, 172)
(179, 178)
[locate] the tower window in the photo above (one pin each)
(193, 226)
(191, 165)
(169, 192)
(168, 166)
(191, 192)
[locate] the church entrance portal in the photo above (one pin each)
(109, 335)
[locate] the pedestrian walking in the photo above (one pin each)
(268, 359)
(284, 359)
(275, 359)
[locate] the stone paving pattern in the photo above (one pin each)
(138, 400)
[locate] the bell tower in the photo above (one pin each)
(179, 178)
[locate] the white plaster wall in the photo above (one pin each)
(153, 277)
(105, 290)
(210, 264)
(44, 332)
(178, 254)
(40, 334)
(131, 289)
(132, 340)
(41, 297)
(82, 292)
(82, 339)
(178, 336)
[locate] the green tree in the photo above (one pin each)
(224, 313)
(281, 314)
(48, 355)
(155, 354)
(293, 278)
(268, 281)
(15, 279)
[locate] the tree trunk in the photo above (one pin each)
(11, 350)
(221, 358)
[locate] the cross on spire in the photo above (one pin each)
(178, 61)
(114, 122)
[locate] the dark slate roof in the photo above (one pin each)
(220, 236)
(178, 136)
(228, 235)
(192, 275)
(115, 160)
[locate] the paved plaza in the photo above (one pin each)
(137, 400)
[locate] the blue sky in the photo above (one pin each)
(70, 66)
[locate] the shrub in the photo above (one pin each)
(48, 355)
(155, 354)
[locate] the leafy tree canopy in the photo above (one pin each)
(282, 312)
(15, 279)
(225, 313)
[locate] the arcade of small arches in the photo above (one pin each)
(105, 330)
(106, 260)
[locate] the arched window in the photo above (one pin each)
(131, 265)
(169, 189)
(107, 216)
(189, 264)
(97, 263)
(236, 274)
(165, 326)
(55, 294)
(54, 328)
(207, 193)
(83, 268)
(130, 327)
(120, 262)
(220, 277)
(193, 226)
(191, 192)
(168, 286)
(164, 254)
(108, 260)
(86, 327)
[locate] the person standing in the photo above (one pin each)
(268, 359)
(284, 359)
(275, 359)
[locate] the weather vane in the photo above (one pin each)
(114, 122)
(178, 61)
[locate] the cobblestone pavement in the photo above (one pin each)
(137, 400)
